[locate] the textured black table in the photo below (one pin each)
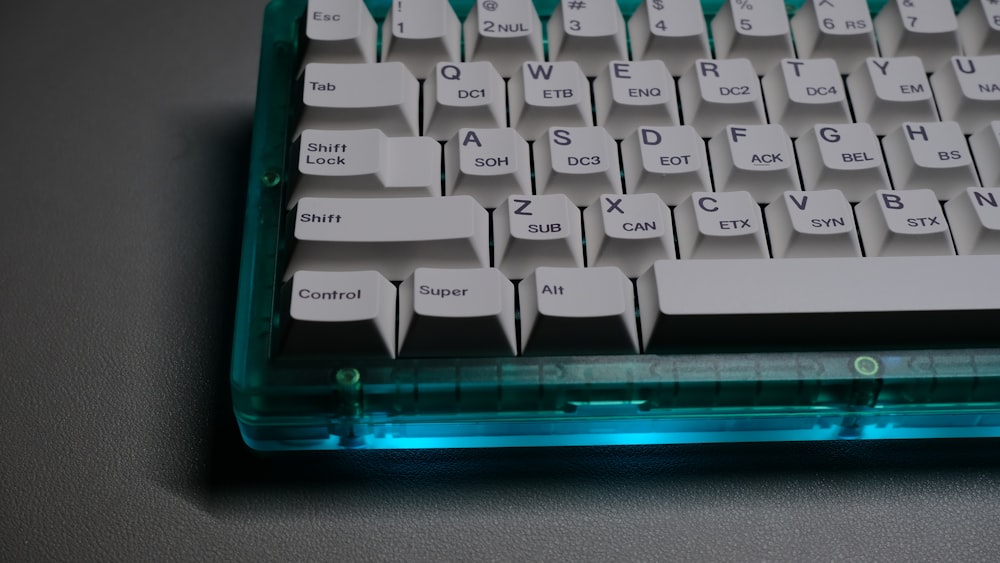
(125, 132)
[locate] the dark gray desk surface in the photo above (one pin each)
(125, 141)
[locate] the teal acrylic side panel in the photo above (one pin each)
(287, 404)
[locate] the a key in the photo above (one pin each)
(975, 220)
(897, 301)
(393, 236)
(758, 159)
(341, 314)
(456, 313)
(546, 94)
(801, 92)
(843, 156)
(720, 225)
(672, 31)
(968, 90)
(755, 29)
(924, 28)
(581, 162)
(886, 92)
(979, 23)
(668, 161)
(628, 232)
(838, 29)
(360, 96)
(577, 310)
(365, 163)
(716, 93)
(420, 34)
(533, 231)
(818, 224)
(340, 32)
(985, 145)
(930, 155)
(903, 223)
(487, 164)
(630, 94)
(505, 33)
(591, 32)
(463, 95)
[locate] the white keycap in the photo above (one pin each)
(839, 29)
(360, 96)
(720, 225)
(668, 161)
(340, 32)
(394, 236)
(577, 310)
(886, 92)
(716, 93)
(463, 95)
(754, 158)
(505, 33)
(672, 31)
(487, 164)
(456, 313)
(932, 155)
(843, 156)
(420, 34)
(365, 163)
(985, 145)
(591, 32)
(545, 94)
(903, 223)
(979, 23)
(801, 92)
(629, 232)
(902, 300)
(817, 224)
(341, 314)
(630, 94)
(533, 231)
(923, 28)
(581, 162)
(755, 29)
(968, 90)
(975, 220)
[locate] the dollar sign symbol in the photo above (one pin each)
(658, 4)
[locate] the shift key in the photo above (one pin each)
(392, 236)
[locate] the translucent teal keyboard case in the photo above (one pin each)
(727, 395)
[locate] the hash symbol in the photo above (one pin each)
(576, 4)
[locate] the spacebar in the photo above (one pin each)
(822, 302)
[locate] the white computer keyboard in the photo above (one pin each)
(508, 178)
(752, 155)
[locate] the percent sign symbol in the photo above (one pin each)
(744, 4)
